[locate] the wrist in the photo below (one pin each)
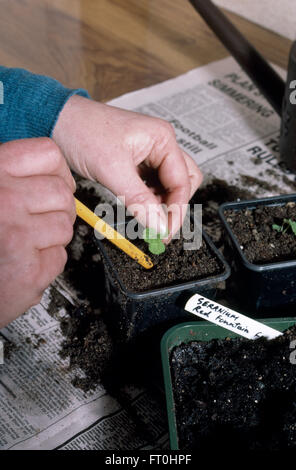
(73, 135)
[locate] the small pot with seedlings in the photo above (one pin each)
(139, 299)
(261, 235)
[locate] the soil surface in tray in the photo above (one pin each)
(235, 394)
(260, 242)
(172, 267)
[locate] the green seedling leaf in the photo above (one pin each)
(156, 248)
(292, 225)
(149, 234)
(278, 228)
(154, 240)
(287, 223)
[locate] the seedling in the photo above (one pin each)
(287, 223)
(155, 245)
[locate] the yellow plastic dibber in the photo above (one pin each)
(112, 235)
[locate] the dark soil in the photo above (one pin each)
(251, 181)
(235, 394)
(259, 241)
(211, 196)
(9, 348)
(172, 267)
(88, 346)
(288, 182)
(102, 360)
(84, 270)
(87, 343)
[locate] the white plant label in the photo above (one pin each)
(229, 319)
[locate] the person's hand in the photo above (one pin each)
(119, 148)
(36, 221)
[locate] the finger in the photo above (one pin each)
(52, 262)
(51, 229)
(174, 177)
(138, 198)
(30, 157)
(40, 194)
(195, 175)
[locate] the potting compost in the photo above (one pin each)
(235, 393)
(259, 232)
(261, 243)
(175, 265)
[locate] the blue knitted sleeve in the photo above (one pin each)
(30, 104)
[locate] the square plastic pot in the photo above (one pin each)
(131, 314)
(262, 287)
(196, 331)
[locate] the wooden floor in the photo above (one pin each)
(111, 47)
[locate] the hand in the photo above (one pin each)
(118, 148)
(36, 221)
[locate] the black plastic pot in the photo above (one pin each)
(136, 313)
(262, 287)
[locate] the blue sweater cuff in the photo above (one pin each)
(31, 104)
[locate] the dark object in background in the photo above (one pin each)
(261, 73)
(265, 286)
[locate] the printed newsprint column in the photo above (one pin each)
(224, 123)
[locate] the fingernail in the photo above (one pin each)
(163, 229)
(157, 223)
(167, 239)
(74, 184)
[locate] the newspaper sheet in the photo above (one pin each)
(224, 123)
